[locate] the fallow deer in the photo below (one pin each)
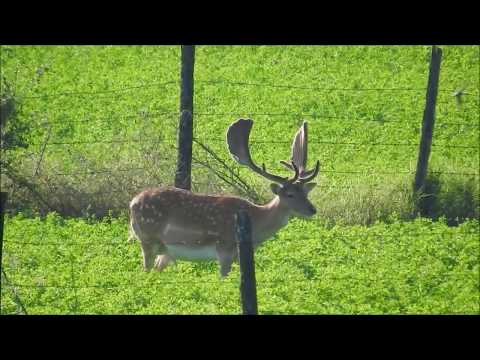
(173, 223)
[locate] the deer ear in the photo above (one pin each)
(309, 187)
(275, 188)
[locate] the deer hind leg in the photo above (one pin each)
(150, 249)
(133, 229)
(131, 234)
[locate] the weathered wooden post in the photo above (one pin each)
(185, 132)
(248, 285)
(428, 120)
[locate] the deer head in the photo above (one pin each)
(292, 192)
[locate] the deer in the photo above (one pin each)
(176, 224)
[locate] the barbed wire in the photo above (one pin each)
(253, 141)
(132, 192)
(236, 282)
(301, 313)
(199, 185)
(364, 144)
(333, 171)
(92, 93)
(347, 143)
(94, 142)
(381, 278)
(61, 120)
(122, 240)
(226, 281)
(320, 89)
(226, 82)
(352, 119)
(239, 114)
(102, 171)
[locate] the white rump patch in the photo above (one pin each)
(134, 201)
(183, 252)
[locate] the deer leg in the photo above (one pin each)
(149, 254)
(225, 258)
(133, 230)
(162, 261)
(225, 268)
(131, 235)
(162, 258)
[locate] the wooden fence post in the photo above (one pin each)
(428, 120)
(185, 131)
(248, 286)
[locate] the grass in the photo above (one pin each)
(76, 266)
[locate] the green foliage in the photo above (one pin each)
(14, 131)
(61, 266)
(119, 105)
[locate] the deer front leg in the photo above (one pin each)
(225, 258)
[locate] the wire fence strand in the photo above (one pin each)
(253, 141)
(118, 241)
(109, 172)
(327, 278)
(453, 93)
(93, 93)
(154, 114)
(240, 83)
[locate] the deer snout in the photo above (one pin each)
(309, 210)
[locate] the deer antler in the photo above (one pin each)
(299, 155)
(237, 140)
(311, 174)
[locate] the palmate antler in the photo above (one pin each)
(238, 144)
(299, 156)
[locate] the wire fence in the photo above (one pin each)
(413, 234)
(293, 116)
(265, 281)
(268, 142)
(127, 284)
(454, 93)
(140, 117)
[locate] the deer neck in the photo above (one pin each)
(268, 219)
